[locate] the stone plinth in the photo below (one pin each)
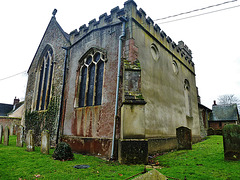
(30, 141)
(231, 142)
(133, 151)
(184, 138)
(45, 142)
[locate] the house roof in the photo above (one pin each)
(228, 112)
(5, 109)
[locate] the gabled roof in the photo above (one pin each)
(5, 109)
(66, 35)
(228, 112)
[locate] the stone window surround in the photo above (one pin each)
(38, 102)
(83, 63)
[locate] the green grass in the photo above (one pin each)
(16, 162)
(204, 161)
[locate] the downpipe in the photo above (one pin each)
(124, 20)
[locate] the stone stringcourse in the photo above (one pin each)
(179, 50)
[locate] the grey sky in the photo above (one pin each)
(213, 38)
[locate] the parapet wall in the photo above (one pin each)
(104, 21)
(140, 19)
(180, 50)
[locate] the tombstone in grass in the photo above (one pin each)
(210, 131)
(30, 141)
(19, 142)
(11, 130)
(45, 142)
(6, 136)
(231, 142)
(1, 133)
(184, 138)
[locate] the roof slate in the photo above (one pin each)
(227, 112)
(5, 109)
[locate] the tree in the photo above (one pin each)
(228, 99)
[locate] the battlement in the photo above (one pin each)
(180, 50)
(104, 20)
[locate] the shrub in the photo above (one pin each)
(63, 152)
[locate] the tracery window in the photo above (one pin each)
(188, 104)
(90, 81)
(45, 75)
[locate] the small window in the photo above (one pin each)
(154, 52)
(188, 104)
(91, 79)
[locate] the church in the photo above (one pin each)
(115, 88)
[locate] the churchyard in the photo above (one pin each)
(204, 160)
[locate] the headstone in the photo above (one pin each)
(45, 142)
(153, 174)
(184, 138)
(6, 136)
(11, 130)
(30, 141)
(20, 136)
(1, 133)
(231, 142)
(210, 131)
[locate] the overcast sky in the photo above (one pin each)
(213, 38)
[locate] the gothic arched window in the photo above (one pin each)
(90, 80)
(45, 75)
(188, 104)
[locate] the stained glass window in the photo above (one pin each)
(91, 79)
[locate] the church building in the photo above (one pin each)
(116, 88)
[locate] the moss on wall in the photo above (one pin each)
(43, 120)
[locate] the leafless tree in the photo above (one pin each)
(228, 99)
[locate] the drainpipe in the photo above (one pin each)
(63, 89)
(124, 20)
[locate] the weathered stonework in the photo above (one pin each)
(231, 142)
(153, 97)
(184, 138)
(20, 132)
(6, 136)
(45, 142)
(1, 133)
(30, 141)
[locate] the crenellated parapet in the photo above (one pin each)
(140, 19)
(104, 21)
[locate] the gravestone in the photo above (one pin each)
(1, 133)
(6, 136)
(153, 174)
(45, 142)
(20, 136)
(11, 130)
(210, 131)
(184, 138)
(30, 141)
(231, 142)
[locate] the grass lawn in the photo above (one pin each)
(205, 161)
(16, 163)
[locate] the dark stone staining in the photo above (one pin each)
(134, 151)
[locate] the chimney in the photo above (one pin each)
(214, 103)
(16, 101)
